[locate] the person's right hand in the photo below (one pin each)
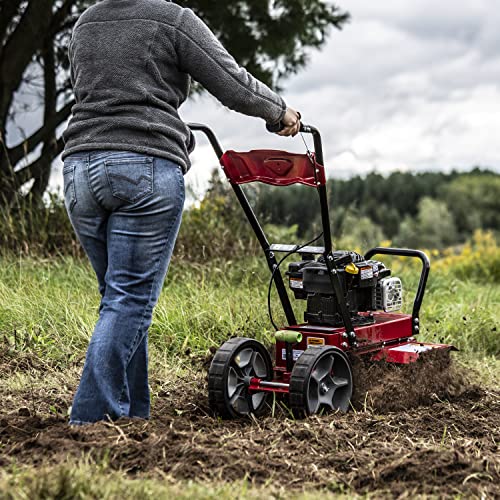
(291, 120)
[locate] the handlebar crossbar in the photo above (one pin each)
(305, 129)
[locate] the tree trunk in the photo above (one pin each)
(50, 101)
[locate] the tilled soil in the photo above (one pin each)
(409, 433)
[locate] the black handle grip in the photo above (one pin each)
(275, 128)
(278, 127)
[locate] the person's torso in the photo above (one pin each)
(126, 79)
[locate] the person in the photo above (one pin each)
(126, 152)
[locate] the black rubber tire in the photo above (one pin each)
(301, 376)
(218, 376)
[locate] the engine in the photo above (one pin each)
(367, 286)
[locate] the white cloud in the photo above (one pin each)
(409, 85)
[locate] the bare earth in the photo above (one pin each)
(421, 429)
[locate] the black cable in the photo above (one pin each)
(275, 270)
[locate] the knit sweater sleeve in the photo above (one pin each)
(201, 55)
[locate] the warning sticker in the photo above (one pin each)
(366, 273)
(296, 354)
(296, 283)
(315, 341)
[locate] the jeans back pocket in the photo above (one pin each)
(130, 179)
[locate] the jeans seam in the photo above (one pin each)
(90, 187)
(135, 342)
(70, 187)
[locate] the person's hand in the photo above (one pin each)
(291, 121)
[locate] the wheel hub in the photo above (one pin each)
(323, 388)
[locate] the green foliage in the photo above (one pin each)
(216, 228)
(288, 206)
(399, 207)
(478, 259)
(433, 226)
(35, 228)
(474, 201)
(84, 481)
(358, 232)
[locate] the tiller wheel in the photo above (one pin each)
(235, 364)
(321, 380)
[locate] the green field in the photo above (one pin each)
(48, 308)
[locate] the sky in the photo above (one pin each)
(409, 85)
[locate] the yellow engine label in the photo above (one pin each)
(315, 341)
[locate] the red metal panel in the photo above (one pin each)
(277, 168)
(406, 352)
(389, 339)
(332, 339)
(388, 327)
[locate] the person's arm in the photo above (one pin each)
(203, 57)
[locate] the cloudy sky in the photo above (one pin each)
(408, 84)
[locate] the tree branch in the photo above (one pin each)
(36, 168)
(18, 51)
(50, 103)
(57, 24)
(41, 135)
(8, 11)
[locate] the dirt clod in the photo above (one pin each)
(386, 387)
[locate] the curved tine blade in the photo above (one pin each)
(259, 365)
(244, 358)
(313, 404)
(233, 381)
(236, 394)
(323, 368)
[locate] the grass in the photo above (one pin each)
(48, 309)
(81, 480)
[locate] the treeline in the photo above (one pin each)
(431, 210)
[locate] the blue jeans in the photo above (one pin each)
(126, 209)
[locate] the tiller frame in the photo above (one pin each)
(390, 337)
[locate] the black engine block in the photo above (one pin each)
(366, 285)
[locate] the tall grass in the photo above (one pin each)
(29, 227)
(48, 306)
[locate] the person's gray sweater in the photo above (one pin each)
(131, 64)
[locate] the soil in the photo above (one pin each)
(417, 429)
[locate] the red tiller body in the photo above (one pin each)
(390, 337)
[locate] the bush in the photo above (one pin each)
(34, 228)
(478, 259)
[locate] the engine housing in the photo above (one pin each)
(367, 286)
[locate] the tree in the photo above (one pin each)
(474, 202)
(433, 227)
(271, 39)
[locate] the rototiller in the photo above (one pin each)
(352, 304)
